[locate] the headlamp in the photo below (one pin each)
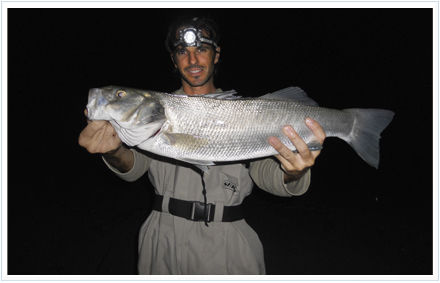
(190, 37)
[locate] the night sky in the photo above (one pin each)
(68, 214)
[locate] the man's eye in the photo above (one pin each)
(201, 50)
(181, 52)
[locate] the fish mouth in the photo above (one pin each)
(92, 113)
(95, 104)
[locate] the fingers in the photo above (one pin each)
(103, 133)
(298, 142)
(305, 158)
(94, 126)
(317, 130)
(283, 150)
(90, 134)
(99, 137)
(291, 161)
(109, 135)
(110, 139)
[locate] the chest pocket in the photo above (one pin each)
(236, 182)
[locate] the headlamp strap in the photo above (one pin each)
(190, 37)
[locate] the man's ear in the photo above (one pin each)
(217, 55)
(172, 59)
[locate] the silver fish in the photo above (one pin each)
(203, 129)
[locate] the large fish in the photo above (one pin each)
(203, 129)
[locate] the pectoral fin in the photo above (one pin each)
(185, 141)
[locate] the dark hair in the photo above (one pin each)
(207, 24)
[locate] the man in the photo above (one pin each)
(196, 226)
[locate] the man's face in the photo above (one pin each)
(196, 64)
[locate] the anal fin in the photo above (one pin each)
(313, 145)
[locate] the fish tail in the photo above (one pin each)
(365, 135)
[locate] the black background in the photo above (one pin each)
(68, 214)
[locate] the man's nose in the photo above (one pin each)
(193, 58)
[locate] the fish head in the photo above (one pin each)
(129, 108)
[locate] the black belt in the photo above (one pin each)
(194, 210)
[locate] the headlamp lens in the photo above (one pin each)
(189, 37)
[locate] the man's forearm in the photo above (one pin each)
(121, 159)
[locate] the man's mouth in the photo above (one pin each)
(194, 71)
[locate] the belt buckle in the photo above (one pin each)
(197, 211)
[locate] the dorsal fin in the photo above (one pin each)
(223, 95)
(292, 93)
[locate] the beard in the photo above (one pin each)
(197, 80)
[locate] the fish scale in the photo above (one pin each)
(220, 127)
(239, 127)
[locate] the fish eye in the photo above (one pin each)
(120, 93)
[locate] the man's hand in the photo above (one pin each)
(295, 165)
(100, 137)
